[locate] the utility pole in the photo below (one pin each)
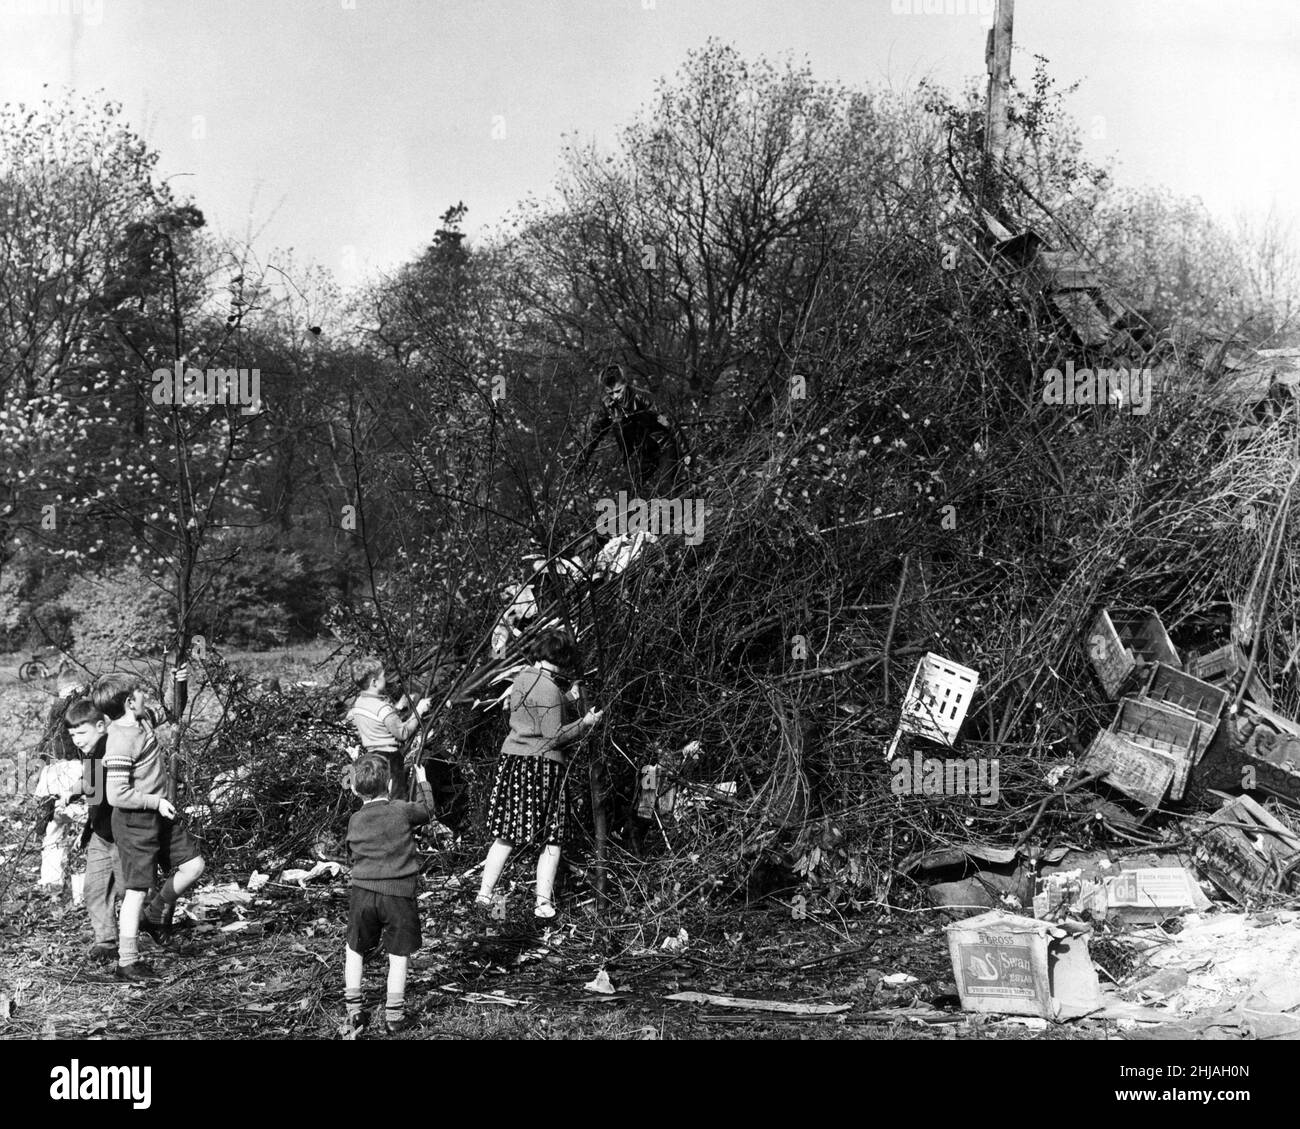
(997, 58)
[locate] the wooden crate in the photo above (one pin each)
(1167, 730)
(1171, 687)
(1224, 667)
(1063, 270)
(1236, 762)
(1198, 699)
(1120, 644)
(1080, 312)
(937, 701)
(1248, 864)
(1140, 773)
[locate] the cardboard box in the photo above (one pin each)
(1154, 893)
(1072, 893)
(1011, 965)
(1140, 894)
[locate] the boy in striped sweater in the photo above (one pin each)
(379, 727)
(146, 826)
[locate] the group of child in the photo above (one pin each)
(132, 828)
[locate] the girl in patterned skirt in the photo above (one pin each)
(528, 806)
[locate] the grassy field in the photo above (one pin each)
(25, 705)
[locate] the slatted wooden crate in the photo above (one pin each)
(937, 700)
(1253, 752)
(1080, 312)
(1121, 644)
(1224, 667)
(1148, 751)
(1247, 865)
(1166, 729)
(1197, 698)
(1062, 270)
(1139, 773)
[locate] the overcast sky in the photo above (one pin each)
(333, 124)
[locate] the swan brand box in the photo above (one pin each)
(1018, 966)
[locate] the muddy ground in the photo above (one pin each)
(273, 970)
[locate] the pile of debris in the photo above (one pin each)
(1187, 744)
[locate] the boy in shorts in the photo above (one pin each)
(88, 729)
(146, 826)
(385, 875)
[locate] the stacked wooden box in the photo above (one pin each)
(1123, 645)
(1160, 731)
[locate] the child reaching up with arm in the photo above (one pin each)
(379, 727)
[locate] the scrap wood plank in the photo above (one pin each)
(771, 1017)
(479, 997)
(758, 1005)
(909, 1015)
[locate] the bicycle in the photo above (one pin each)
(33, 669)
(36, 667)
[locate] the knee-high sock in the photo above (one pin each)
(162, 900)
(352, 962)
(395, 1005)
(128, 946)
(548, 862)
(492, 868)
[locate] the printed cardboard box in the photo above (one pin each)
(1018, 966)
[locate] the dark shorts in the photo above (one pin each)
(144, 841)
(372, 915)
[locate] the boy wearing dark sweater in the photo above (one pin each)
(385, 875)
(88, 729)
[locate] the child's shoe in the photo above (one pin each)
(545, 910)
(139, 972)
(105, 952)
(157, 928)
(393, 1026)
